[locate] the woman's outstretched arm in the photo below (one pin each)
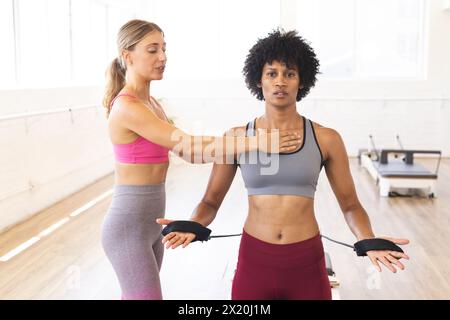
(137, 117)
(341, 181)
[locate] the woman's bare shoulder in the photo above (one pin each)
(325, 133)
(328, 139)
(237, 131)
(130, 107)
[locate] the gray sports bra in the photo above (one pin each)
(294, 173)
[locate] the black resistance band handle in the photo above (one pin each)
(201, 233)
(361, 247)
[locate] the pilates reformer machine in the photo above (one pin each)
(334, 281)
(397, 173)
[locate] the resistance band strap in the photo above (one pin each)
(204, 234)
(361, 247)
(341, 243)
(227, 235)
(201, 233)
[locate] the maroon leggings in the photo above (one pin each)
(267, 271)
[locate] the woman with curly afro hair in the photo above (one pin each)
(281, 255)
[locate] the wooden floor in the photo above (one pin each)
(70, 264)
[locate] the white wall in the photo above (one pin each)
(46, 158)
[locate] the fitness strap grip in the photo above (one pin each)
(361, 247)
(201, 233)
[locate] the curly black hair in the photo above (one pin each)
(286, 47)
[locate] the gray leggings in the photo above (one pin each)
(131, 239)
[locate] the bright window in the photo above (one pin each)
(89, 38)
(59, 53)
(33, 37)
(365, 39)
(213, 39)
(7, 54)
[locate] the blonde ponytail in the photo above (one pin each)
(115, 81)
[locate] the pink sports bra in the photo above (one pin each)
(140, 150)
